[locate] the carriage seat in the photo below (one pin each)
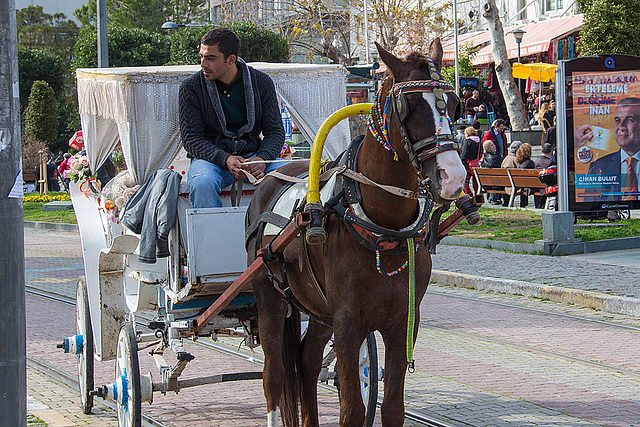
(182, 166)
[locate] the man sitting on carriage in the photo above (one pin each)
(223, 109)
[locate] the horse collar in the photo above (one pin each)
(365, 231)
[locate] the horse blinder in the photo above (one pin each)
(425, 148)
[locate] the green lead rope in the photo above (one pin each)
(412, 301)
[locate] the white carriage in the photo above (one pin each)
(138, 108)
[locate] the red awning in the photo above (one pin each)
(537, 39)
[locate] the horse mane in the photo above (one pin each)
(418, 61)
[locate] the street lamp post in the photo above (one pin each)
(518, 34)
(170, 25)
(455, 46)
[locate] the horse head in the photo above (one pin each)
(419, 107)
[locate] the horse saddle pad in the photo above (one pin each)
(296, 192)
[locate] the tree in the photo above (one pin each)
(465, 55)
(146, 14)
(512, 97)
(260, 44)
(42, 31)
(317, 28)
(256, 44)
(41, 120)
(610, 26)
(403, 26)
(128, 47)
(35, 65)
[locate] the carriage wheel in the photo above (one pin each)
(369, 377)
(85, 358)
(128, 377)
(368, 371)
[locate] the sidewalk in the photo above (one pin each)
(606, 281)
(54, 404)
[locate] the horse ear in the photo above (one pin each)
(435, 52)
(390, 60)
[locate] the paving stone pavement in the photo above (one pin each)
(576, 272)
(480, 366)
(57, 405)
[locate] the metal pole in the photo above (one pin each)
(367, 55)
(519, 80)
(13, 368)
(103, 47)
(455, 42)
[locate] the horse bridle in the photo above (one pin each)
(425, 148)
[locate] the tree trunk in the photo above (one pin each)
(515, 107)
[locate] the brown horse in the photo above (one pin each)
(354, 297)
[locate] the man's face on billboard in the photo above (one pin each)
(626, 127)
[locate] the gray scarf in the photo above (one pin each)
(214, 96)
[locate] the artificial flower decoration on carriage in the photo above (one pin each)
(80, 172)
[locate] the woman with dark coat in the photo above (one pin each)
(523, 157)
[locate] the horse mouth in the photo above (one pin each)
(450, 186)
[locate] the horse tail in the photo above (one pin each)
(291, 361)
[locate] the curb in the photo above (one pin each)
(548, 248)
(599, 301)
(57, 226)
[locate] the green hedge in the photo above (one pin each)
(35, 65)
(41, 121)
(256, 44)
(128, 47)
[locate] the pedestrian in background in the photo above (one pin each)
(471, 154)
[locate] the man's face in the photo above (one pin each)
(552, 105)
(475, 94)
(500, 128)
(214, 66)
(626, 128)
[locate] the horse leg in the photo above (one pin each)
(348, 341)
(313, 345)
(395, 366)
(271, 317)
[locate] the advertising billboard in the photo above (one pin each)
(602, 97)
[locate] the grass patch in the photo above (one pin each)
(33, 421)
(32, 209)
(522, 226)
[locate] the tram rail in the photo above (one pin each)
(63, 377)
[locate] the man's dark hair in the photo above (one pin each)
(475, 124)
(498, 122)
(547, 148)
(227, 41)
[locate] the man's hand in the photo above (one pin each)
(256, 169)
(582, 135)
(234, 164)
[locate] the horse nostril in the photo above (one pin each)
(444, 176)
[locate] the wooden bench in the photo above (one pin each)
(29, 177)
(496, 180)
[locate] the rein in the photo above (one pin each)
(418, 151)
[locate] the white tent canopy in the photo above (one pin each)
(139, 107)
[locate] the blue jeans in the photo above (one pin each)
(207, 180)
